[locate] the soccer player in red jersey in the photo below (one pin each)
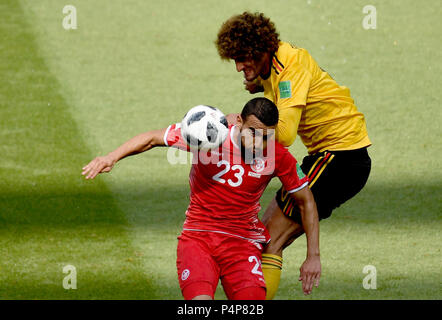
(222, 236)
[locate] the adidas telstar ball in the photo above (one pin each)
(204, 127)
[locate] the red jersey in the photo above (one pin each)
(225, 190)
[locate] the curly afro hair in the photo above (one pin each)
(247, 36)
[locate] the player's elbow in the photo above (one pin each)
(305, 201)
(149, 140)
(287, 128)
(285, 134)
(286, 141)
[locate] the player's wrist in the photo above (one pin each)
(112, 157)
(313, 254)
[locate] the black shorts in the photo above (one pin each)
(335, 177)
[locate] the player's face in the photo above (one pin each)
(252, 68)
(255, 135)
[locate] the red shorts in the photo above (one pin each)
(205, 257)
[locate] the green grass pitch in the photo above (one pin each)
(67, 96)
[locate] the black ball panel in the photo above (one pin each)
(197, 116)
(193, 141)
(223, 120)
(211, 132)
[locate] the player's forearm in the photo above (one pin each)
(138, 144)
(288, 123)
(310, 222)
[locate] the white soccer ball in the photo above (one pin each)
(204, 128)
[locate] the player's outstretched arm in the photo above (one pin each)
(138, 144)
(310, 271)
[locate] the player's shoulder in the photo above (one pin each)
(172, 135)
(289, 56)
(287, 51)
(281, 151)
(173, 128)
(283, 158)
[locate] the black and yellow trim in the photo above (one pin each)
(277, 66)
(319, 167)
(279, 62)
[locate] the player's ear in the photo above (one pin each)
(239, 119)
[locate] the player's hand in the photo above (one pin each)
(253, 86)
(98, 165)
(310, 272)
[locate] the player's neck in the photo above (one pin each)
(267, 67)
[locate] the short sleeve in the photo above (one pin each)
(293, 87)
(288, 171)
(173, 137)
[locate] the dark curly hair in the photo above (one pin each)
(263, 109)
(246, 36)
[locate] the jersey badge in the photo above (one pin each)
(285, 89)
